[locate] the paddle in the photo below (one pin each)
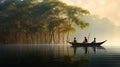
(88, 37)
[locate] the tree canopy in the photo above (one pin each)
(30, 16)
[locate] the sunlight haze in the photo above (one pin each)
(103, 8)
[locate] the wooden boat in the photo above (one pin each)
(87, 44)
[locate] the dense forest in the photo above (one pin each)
(39, 21)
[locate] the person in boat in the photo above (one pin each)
(85, 40)
(94, 41)
(75, 41)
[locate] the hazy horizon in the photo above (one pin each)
(103, 8)
(101, 28)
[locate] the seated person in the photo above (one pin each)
(75, 41)
(94, 41)
(85, 40)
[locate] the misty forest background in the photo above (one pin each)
(39, 22)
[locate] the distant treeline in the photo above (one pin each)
(36, 22)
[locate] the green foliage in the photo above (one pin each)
(30, 16)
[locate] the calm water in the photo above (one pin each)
(60, 55)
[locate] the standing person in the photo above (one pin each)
(75, 41)
(85, 40)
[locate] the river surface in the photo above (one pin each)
(61, 55)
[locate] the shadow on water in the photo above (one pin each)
(86, 49)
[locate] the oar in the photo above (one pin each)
(88, 37)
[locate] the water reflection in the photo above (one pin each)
(86, 49)
(59, 55)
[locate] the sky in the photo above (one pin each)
(104, 8)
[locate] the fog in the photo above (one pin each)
(101, 28)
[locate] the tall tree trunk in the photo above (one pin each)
(68, 35)
(51, 37)
(63, 39)
(58, 37)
